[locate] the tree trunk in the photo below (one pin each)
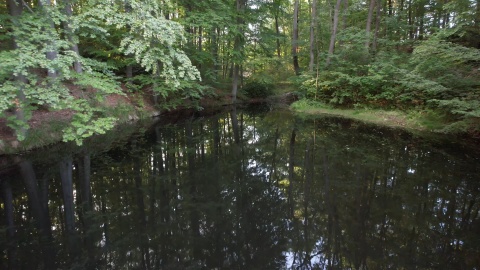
(142, 218)
(214, 45)
(345, 11)
(377, 29)
(477, 14)
(291, 167)
(421, 29)
(15, 10)
(295, 49)
(40, 214)
(84, 171)
(369, 25)
(52, 54)
(410, 20)
(200, 44)
(66, 167)
(77, 65)
(11, 244)
(277, 32)
(129, 68)
(331, 48)
(235, 82)
(194, 216)
(312, 35)
(238, 47)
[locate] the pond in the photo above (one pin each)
(253, 188)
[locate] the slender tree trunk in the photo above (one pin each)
(377, 28)
(194, 216)
(331, 48)
(345, 13)
(308, 172)
(410, 20)
(215, 35)
(15, 10)
(295, 48)
(369, 25)
(40, 214)
(68, 206)
(11, 244)
(344, 18)
(235, 82)
(129, 67)
(129, 72)
(142, 218)
(277, 32)
(77, 65)
(84, 171)
(291, 166)
(200, 44)
(238, 47)
(52, 53)
(477, 15)
(274, 158)
(312, 35)
(421, 29)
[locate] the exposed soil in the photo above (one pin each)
(43, 116)
(39, 117)
(144, 103)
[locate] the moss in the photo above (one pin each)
(421, 120)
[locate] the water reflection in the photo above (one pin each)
(244, 190)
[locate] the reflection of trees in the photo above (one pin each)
(202, 210)
(10, 245)
(66, 178)
(248, 192)
(39, 210)
(386, 204)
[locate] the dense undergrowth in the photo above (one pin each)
(439, 82)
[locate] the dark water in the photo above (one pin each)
(244, 190)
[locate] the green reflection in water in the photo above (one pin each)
(244, 190)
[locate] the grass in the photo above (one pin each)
(412, 120)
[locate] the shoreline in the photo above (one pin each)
(48, 130)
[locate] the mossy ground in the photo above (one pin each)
(413, 120)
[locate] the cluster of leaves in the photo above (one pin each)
(149, 41)
(259, 88)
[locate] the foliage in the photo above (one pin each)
(307, 104)
(439, 75)
(258, 88)
(86, 122)
(153, 41)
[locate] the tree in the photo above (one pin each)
(238, 45)
(16, 92)
(312, 34)
(295, 47)
(331, 48)
(39, 43)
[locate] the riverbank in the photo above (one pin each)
(416, 121)
(46, 126)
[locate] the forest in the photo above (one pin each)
(419, 55)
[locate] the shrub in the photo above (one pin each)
(258, 89)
